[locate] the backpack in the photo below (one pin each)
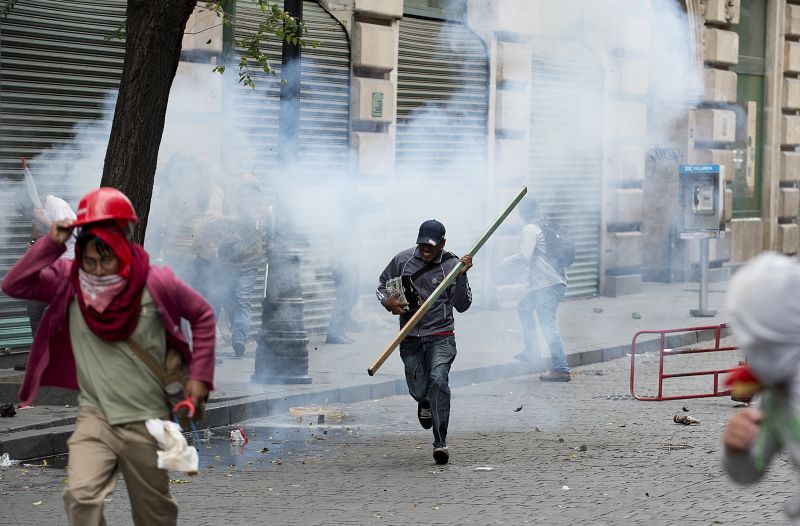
(560, 246)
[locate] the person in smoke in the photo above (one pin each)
(343, 221)
(545, 286)
(430, 348)
(242, 251)
(101, 303)
(184, 227)
(765, 307)
(53, 209)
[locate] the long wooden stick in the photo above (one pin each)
(444, 284)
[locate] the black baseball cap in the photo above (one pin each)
(431, 232)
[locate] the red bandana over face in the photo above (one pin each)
(111, 304)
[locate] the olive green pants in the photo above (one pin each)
(98, 451)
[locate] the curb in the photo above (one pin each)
(44, 441)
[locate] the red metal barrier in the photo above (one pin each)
(663, 353)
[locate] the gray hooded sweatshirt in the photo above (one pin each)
(764, 300)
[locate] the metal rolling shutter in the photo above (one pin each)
(566, 155)
(324, 150)
(442, 106)
(324, 138)
(56, 68)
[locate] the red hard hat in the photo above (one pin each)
(105, 204)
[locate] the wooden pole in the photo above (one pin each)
(444, 284)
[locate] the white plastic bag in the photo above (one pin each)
(175, 453)
(5, 461)
(238, 438)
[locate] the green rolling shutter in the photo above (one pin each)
(56, 69)
(566, 156)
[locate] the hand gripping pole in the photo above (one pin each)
(444, 284)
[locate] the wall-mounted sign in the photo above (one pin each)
(377, 104)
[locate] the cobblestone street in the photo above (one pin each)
(522, 452)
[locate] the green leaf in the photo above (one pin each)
(7, 9)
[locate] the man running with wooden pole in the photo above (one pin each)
(423, 285)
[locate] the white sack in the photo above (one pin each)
(174, 452)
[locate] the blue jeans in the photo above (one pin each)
(545, 303)
(427, 362)
(237, 301)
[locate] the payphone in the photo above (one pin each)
(700, 192)
(701, 201)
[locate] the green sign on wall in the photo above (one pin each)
(377, 104)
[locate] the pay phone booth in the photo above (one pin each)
(701, 198)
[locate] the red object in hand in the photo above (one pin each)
(741, 374)
(742, 384)
(185, 405)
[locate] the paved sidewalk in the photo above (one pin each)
(594, 330)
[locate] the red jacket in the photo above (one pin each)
(39, 275)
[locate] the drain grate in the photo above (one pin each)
(614, 397)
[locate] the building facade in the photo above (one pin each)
(585, 104)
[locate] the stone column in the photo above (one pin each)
(506, 28)
(373, 92)
(201, 51)
(712, 126)
(626, 134)
(788, 201)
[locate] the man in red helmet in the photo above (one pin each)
(103, 304)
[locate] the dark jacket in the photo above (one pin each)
(439, 317)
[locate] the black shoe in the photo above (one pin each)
(424, 416)
(238, 349)
(338, 339)
(555, 376)
(21, 366)
(441, 455)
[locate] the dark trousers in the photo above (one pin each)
(346, 281)
(427, 362)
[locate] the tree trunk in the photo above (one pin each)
(154, 31)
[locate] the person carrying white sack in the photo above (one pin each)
(765, 305)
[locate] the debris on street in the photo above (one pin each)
(636, 316)
(7, 410)
(518, 409)
(685, 420)
(685, 409)
(5, 461)
(484, 468)
(583, 448)
(597, 310)
(238, 437)
(326, 412)
(564, 488)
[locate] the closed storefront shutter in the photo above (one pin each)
(57, 66)
(442, 105)
(324, 140)
(566, 155)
